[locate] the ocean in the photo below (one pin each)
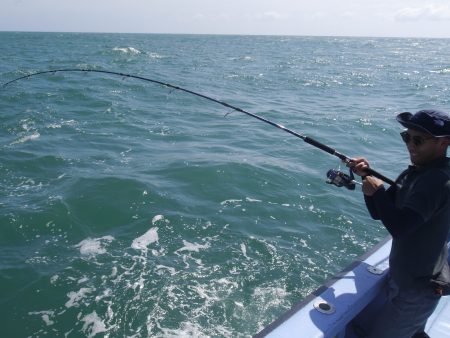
(129, 209)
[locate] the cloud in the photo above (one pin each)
(427, 13)
(270, 15)
(199, 16)
(349, 14)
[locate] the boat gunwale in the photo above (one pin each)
(321, 289)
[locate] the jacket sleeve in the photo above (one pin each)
(371, 206)
(399, 222)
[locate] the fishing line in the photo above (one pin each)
(334, 179)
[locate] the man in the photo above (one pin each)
(416, 212)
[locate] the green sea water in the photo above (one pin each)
(128, 209)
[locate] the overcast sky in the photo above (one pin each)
(406, 18)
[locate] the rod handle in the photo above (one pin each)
(376, 174)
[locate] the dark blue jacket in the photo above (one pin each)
(416, 213)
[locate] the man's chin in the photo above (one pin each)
(414, 159)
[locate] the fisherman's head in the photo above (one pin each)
(427, 136)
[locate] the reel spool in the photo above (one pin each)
(341, 179)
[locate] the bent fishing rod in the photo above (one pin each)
(335, 177)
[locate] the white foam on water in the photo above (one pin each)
(193, 246)
(93, 324)
(244, 250)
(127, 50)
(231, 201)
(171, 270)
(142, 242)
(82, 280)
(270, 296)
(303, 243)
(203, 292)
(53, 279)
(186, 329)
(155, 55)
(106, 293)
(60, 125)
(54, 126)
(248, 199)
(27, 138)
(157, 218)
(207, 225)
(76, 297)
(114, 271)
(45, 315)
(441, 71)
(228, 282)
(139, 284)
(94, 246)
(47, 320)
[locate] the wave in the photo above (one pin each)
(154, 55)
(94, 246)
(441, 71)
(27, 138)
(127, 50)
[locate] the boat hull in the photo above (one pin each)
(353, 295)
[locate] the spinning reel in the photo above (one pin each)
(341, 179)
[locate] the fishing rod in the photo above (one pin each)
(335, 177)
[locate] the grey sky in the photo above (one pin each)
(416, 18)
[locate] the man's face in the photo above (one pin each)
(424, 148)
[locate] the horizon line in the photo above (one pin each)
(223, 34)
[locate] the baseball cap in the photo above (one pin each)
(434, 122)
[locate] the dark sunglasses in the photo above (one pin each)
(417, 140)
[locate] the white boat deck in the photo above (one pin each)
(348, 294)
(438, 325)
